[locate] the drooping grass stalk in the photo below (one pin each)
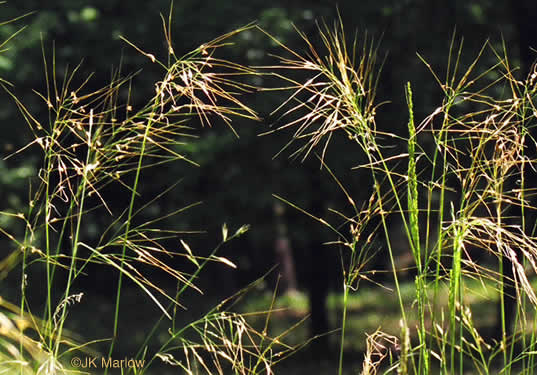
(113, 148)
(336, 98)
(242, 352)
(189, 70)
(200, 266)
(344, 100)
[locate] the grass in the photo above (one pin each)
(92, 144)
(452, 197)
(365, 315)
(459, 189)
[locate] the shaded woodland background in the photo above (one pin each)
(237, 177)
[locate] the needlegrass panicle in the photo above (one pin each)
(96, 142)
(467, 192)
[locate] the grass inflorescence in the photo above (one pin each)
(466, 194)
(464, 191)
(97, 147)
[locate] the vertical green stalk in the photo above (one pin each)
(454, 292)
(414, 239)
(521, 308)
(498, 177)
(531, 343)
(48, 305)
(343, 324)
(441, 140)
(48, 166)
(23, 248)
(53, 119)
(372, 148)
(412, 187)
(128, 223)
(368, 139)
(72, 267)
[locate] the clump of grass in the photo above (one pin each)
(453, 198)
(93, 143)
(459, 194)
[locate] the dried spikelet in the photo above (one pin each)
(339, 95)
(379, 346)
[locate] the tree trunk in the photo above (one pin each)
(284, 252)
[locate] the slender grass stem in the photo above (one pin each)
(75, 241)
(454, 295)
(134, 193)
(343, 326)
(413, 213)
